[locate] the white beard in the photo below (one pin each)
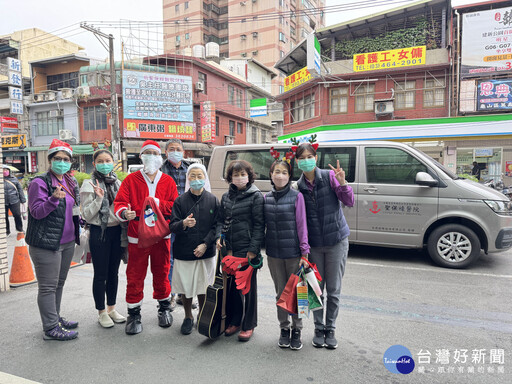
(152, 164)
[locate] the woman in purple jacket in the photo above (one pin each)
(53, 226)
(328, 231)
(286, 243)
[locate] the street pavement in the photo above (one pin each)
(389, 297)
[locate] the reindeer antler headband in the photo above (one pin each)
(296, 143)
(287, 157)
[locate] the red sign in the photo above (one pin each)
(151, 129)
(207, 121)
(8, 123)
(32, 162)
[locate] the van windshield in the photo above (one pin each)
(452, 175)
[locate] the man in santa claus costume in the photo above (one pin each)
(128, 206)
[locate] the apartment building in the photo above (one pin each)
(261, 29)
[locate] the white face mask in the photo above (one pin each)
(280, 180)
(152, 163)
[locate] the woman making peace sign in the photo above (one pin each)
(97, 197)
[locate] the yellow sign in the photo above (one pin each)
(394, 58)
(13, 141)
(296, 79)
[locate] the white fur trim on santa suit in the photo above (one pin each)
(150, 144)
(57, 149)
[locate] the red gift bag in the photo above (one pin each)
(152, 225)
(288, 299)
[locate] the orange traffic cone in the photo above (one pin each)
(21, 270)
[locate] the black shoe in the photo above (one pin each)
(60, 334)
(296, 342)
(186, 327)
(164, 313)
(330, 340)
(319, 338)
(68, 324)
(284, 340)
(133, 323)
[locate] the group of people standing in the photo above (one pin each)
(303, 222)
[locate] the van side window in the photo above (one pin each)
(391, 166)
(260, 159)
(329, 155)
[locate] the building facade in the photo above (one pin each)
(260, 29)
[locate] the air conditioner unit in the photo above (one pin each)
(384, 107)
(254, 1)
(243, 54)
(55, 113)
(255, 35)
(83, 91)
(254, 53)
(242, 3)
(243, 37)
(49, 96)
(186, 19)
(65, 134)
(38, 97)
(199, 86)
(177, 43)
(229, 140)
(67, 93)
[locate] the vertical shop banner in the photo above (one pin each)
(494, 95)
(208, 121)
(16, 80)
(155, 104)
(32, 162)
(487, 42)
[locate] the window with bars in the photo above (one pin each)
(239, 98)
(365, 98)
(231, 95)
(202, 78)
(303, 109)
(63, 80)
(95, 118)
(405, 94)
(239, 128)
(338, 100)
(434, 93)
(48, 126)
(231, 128)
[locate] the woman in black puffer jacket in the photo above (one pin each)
(241, 229)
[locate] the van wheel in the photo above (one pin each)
(453, 246)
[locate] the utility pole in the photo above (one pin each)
(114, 112)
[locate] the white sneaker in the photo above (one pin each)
(116, 316)
(105, 320)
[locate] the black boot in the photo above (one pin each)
(133, 323)
(164, 313)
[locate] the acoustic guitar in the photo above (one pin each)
(212, 319)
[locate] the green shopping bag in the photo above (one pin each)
(314, 301)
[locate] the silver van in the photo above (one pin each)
(403, 198)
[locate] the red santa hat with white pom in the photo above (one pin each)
(58, 145)
(150, 144)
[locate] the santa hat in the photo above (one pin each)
(58, 145)
(150, 144)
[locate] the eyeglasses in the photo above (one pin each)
(64, 159)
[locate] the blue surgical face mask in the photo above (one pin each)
(196, 185)
(175, 157)
(307, 165)
(60, 167)
(105, 168)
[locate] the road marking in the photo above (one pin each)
(5, 378)
(437, 270)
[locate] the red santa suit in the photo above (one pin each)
(133, 190)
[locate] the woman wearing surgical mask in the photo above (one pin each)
(328, 231)
(240, 232)
(106, 235)
(193, 221)
(286, 243)
(53, 229)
